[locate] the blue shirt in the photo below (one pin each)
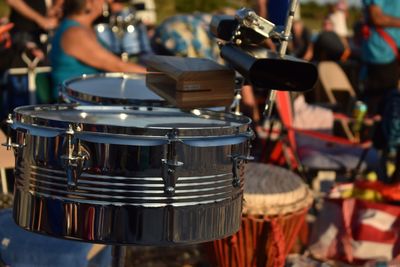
(375, 49)
(187, 36)
(278, 11)
(63, 65)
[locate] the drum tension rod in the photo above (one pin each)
(238, 158)
(74, 158)
(9, 144)
(171, 163)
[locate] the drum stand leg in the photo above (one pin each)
(118, 256)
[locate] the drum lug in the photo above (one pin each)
(251, 134)
(74, 158)
(236, 160)
(9, 144)
(169, 175)
(170, 164)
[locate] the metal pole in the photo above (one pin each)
(118, 254)
(288, 28)
(4, 184)
(282, 51)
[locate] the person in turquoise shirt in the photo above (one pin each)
(379, 56)
(76, 49)
(380, 53)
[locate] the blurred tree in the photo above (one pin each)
(164, 9)
(4, 10)
(312, 12)
(184, 6)
(172, 7)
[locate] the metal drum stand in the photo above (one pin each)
(118, 254)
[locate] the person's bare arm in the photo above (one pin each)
(380, 19)
(309, 52)
(262, 8)
(21, 7)
(249, 100)
(55, 10)
(83, 45)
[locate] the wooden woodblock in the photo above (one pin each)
(190, 82)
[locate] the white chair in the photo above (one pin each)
(334, 80)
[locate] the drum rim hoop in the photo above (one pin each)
(25, 115)
(256, 208)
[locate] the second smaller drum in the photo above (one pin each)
(276, 202)
(110, 89)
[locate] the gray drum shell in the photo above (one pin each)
(120, 198)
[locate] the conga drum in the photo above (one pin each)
(110, 89)
(275, 205)
(129, 174)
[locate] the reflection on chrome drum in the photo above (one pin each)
(129, 175)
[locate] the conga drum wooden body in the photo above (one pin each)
(129, 175)
(275, 205)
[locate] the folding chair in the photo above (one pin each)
(334, 81)
(309, 152)
(7, 161)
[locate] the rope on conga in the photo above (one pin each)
(278, 242)
(275, 204)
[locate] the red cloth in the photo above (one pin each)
(356, 231)
(389, 192)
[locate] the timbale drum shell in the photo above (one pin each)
(120, 196)
(110, 89)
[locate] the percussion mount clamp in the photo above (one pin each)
(74, 158)
(247, 18)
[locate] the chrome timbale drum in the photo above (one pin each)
(110, 89)
(129, 175)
